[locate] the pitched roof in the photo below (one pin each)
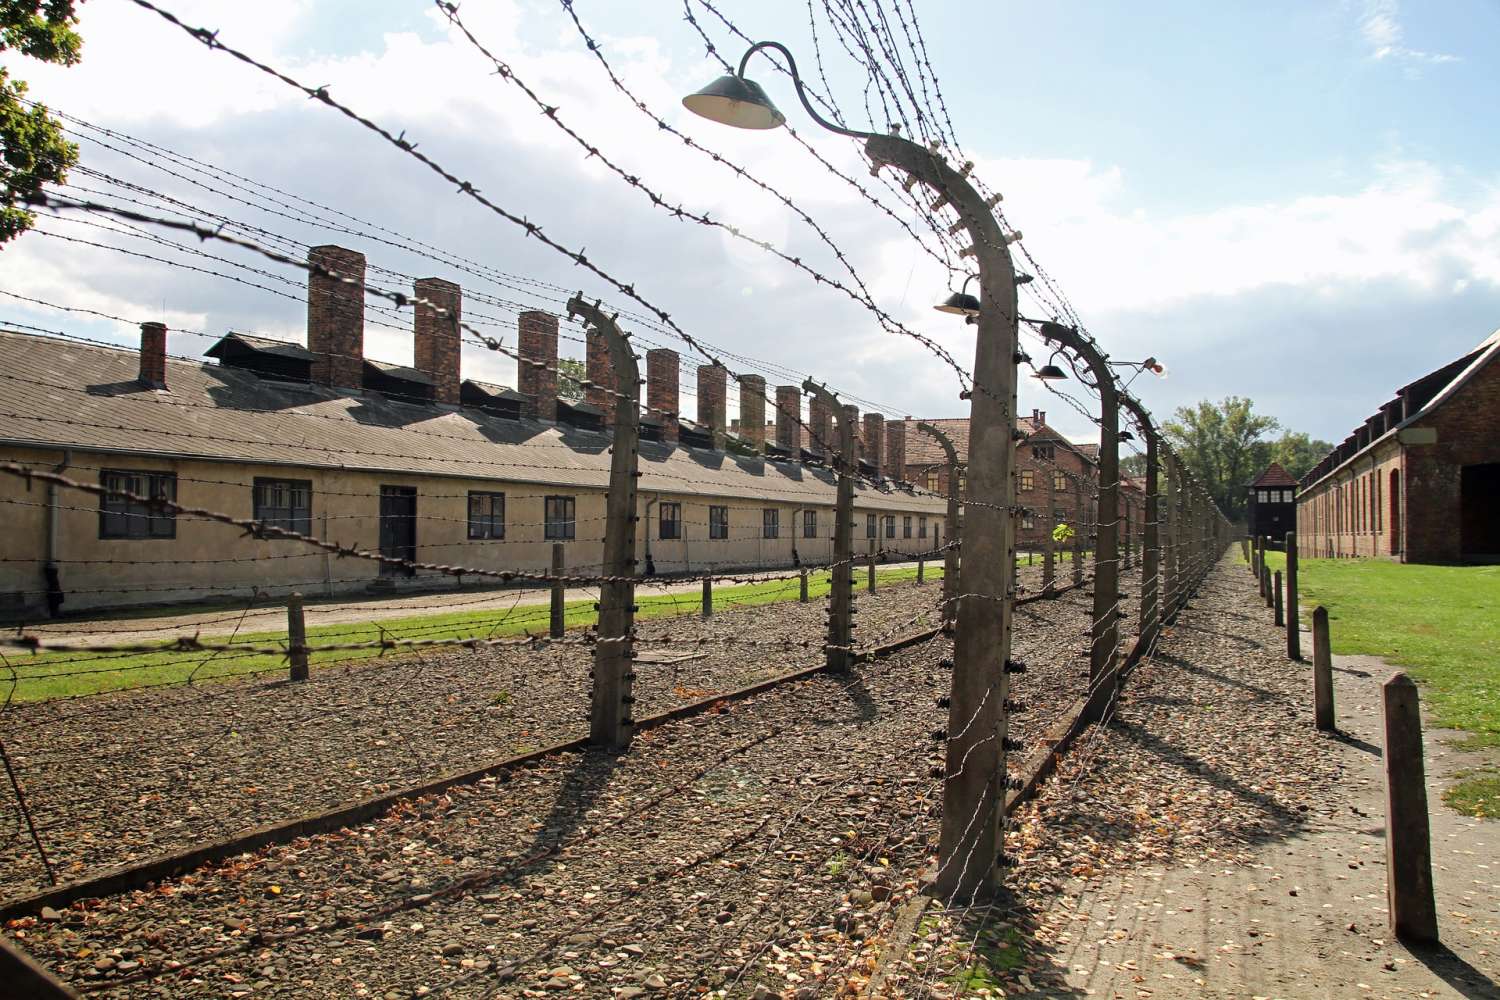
(921, 449)
(63, 394)
(1274, 475)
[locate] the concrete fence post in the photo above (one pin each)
(1322, 671)
(708, 597)
(921, 569)
(802, 585)
(840, 635)
(296, 637)
(611, 712)
(559, 592)
(872, 573)
(1293, 616)
(1411, 907)
(1276, 589)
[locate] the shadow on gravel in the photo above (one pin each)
(1284, 819)
(864, 705)
(999, 944)
(1466, 980)
(1260, 693)
(1229, 636)
(1349, 739)
(579, 793)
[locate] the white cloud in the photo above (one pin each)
(1380, 28)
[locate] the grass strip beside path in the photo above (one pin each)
(43, 676)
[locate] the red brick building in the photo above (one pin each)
(1419, 480)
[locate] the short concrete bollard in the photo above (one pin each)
(802, 585)
(296, 637)
(1293, 616)
(559, 594)
(1276, 589)
(1408, 848)
(1322, 672)
(708, 597)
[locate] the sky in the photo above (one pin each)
(1294, 202)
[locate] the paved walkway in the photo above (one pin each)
(1302, 916)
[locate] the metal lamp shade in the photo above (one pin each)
(1051, 373)
(736, 101)
(959, 304)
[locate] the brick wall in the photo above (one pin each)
(713, 390)
(873, 439)
(753, 410)
(537, 368)
(436, 340)
(820, 429)
(661, 389)
(599, 369)
(895, 449)
(788, 418)
(153, 371)
(1468, 433)
(336, 316)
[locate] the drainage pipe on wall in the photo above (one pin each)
(51, 569)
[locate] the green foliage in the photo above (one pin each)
(1476, 794)
(571, 374)
(32, 147)
(1063, 533)
(1221, 443)
(1298, 453)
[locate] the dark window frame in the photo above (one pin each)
(1028, 480)
(770, 522)
(718, 522)
(906, 526)
(809, 524)
(485, 521)
(669, 529)
(890, 526)
(261, 506)
(870, 529)
(119, 517)
(560, 518)
(922, 527)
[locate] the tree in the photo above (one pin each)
(33, 150)
(1223, 447)
(1133, 465)
(1298, 453)
(571, 374)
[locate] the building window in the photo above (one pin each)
(561, 518)
(921, 527)
(890, 526)
(1045, 452)
(1028, 479)
(1261, 496)
(669, 521)
(932, 480)
(869, 525)
(963, 484)
(1059, 482)
(1027, 521)
(486, 515)
(121, 517)
(809, 524)
(283, 503)
(718, 522)
(770, 523)
(906, 526)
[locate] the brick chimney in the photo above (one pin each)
(153, 373)
(874, 440)
(661, 389)
(713, 388)
(536, 370)
(753, 410)
(788, 418)
(820, 437)
(851, 414)
(1039, 417)
(437, 337)
(336, 316)
(895, 450)
(600, 370)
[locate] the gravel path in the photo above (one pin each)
(125, 777)
(752, 850)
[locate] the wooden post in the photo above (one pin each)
(802, 585)
(1049, 550)
(1293, 616)
(708, 597)
(1261, 582)
(1276, 589)
(1322, 671)
(872, 573)
(610, 717)
(559, 593)
(921, 569)
(296, 637)
(1408, 849)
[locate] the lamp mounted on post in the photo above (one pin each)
(970, 849)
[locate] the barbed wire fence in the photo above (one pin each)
(198, 740)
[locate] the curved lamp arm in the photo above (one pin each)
(797, 82)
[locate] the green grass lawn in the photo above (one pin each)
(1440, 623)
(44, 676)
